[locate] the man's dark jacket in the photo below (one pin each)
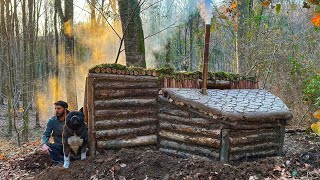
(54, 129)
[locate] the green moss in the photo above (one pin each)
(165, 70)
(139, 69)
(249, 78)
(220, 75)
(169, 72)
(233, 77)
(112, 66)
(141, 44)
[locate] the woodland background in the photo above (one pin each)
(47, 47)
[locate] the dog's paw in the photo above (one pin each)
(66, 162)
(66, 165)
(83, 156)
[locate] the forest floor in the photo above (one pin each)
(301, 161)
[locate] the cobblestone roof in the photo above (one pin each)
(241, 103)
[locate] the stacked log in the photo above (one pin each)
(171, 79)
(244, 84)
(254, 143)
(171, 82)
(189, 123)
(187, 134)
(125, 110)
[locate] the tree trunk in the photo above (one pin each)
(2, 65)
(37, 74)
(132, 32)
(243, 9)
(56, 63)
(9, 87)
(93, 12)
(69, 56)
(25, 74)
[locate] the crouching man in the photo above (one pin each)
(55, 129)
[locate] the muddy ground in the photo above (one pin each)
(301, 161)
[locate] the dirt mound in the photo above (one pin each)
(36, 162)
(301, 160)
(148, 163)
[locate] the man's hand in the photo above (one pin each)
(45, 148)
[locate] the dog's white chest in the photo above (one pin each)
(75, 142)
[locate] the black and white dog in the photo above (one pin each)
(75, 137)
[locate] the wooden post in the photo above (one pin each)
(90, 108)
(224, 153)
(85, 107)
(205, 60)
(281, 131)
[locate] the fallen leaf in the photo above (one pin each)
(266, 3)
(277, 168)
(123, 165)
(317, 113)
(234, 5)
(2, 157)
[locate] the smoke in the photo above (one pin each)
(160, 20)
(102, 44)
(95, 44)
(206, 10)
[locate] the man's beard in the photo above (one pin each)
(59, 115)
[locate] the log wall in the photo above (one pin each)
(186, 133)
(124, 110)
(255, 143)
(170, 82)
(186, 130)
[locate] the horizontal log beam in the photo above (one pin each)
(241, 133)
(104, 104)
(254, 147)
(251, 139)
(138, 131)
(124, 85)
(107, 124)
(196, 121)
(128, 78)
(204, 141)
(123, 143)
(238, 126)
(214, 118)
(185, 129)
(175, 112)
(254, 154)
(121, 93)
(125, 113)
(211, 153)
(182, 154)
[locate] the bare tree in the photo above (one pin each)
(67, 19)
(132, 32)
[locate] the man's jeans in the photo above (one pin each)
(56, 153)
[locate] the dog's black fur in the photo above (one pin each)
(74, 125)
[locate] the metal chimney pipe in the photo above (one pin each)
(205, 60)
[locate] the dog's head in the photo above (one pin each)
(75, 120)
